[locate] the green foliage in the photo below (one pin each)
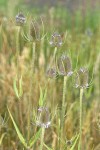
(75, 142)
(21, 138)
(1, 138)
(42, 96)
(18, 90)
(84, 50)
(34, 138)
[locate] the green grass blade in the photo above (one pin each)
(34, 138)
(20, 87)
(1, 138)
(15, 88)
(72, 148)
(48, 148)
(23, 141)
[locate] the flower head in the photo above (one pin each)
(51, 73)
(82, 78)
(56, 40)
(64, 66)
(35, 31)
(43, 117)
(20, 19)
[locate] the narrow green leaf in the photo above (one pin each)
(47, 147)
(72, 148)
(1, 138)
(15, 88)
(34, 138)
(23, 141)
(20, 87)
(45, 94)
(42, 96)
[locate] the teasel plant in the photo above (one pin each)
(56, 42)
(34, 36)
(20, 21)
(43, 120)
(18, 88)
(42, 117)
(81, 82)
(64, 68)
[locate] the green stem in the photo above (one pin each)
(42, 138)
(18, 72)
(54, 56)
(63, 107)
(17, 50)
(81, 96)
(31, 89)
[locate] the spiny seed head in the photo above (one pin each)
(64, 66)
(34, 31)
(82, 78)
(43, 117)
(56, 40)
(51, 73)
(20, 19)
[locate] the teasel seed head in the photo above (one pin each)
(20, 19)
(43, 117)
(56, 40)
(82, 78)
(35, 31)
(64, 66)
(51, 73)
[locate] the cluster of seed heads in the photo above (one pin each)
(64, 68)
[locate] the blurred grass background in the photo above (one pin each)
(81, 25)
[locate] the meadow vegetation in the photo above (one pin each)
(49, 79)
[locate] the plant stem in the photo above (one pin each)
(31, 89)
(54, 56)
(42, 138)
(63, 107)
(18, 72)
(81, 96)
(17, 50)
